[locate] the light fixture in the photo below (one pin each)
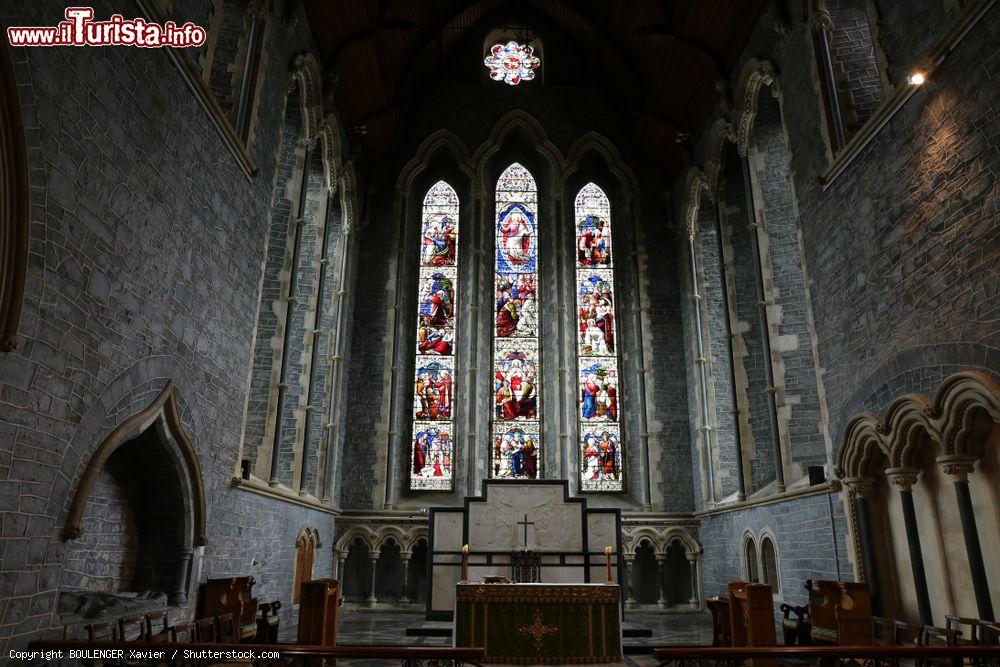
(917, 79)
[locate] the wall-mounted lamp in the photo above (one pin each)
(916, 79)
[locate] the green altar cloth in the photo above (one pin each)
(540, 623)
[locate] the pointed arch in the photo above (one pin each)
(509, 122)
(695, 185)
(756, 73)
(163, 412)
(328, 133)
(720, 133)
(307, 77)
(443, 139)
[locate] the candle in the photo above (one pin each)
(465, 549)
(465, 563)
(607, 555)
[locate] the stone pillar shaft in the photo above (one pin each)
(903, 479)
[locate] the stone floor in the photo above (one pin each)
(389, 628)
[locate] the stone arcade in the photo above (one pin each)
(354, 284)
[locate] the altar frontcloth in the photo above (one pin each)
(540, 623)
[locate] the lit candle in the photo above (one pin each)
(465, 563)
(607, 555)
(465, 549)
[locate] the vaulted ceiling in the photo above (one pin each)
(659, 59)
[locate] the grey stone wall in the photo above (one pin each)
(810, 545)
(853, 52)
(146, 247)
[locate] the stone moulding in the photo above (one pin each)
(164, 407)
(14, 206)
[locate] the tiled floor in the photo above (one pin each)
(389, 628)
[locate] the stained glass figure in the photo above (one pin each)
(599, 393)
(512, 63)
(434, 374)
(516, 450)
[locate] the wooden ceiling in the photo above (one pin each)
(658, 59)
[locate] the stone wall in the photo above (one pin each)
(147, 243)
(896, 254)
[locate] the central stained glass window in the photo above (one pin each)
(516, 447)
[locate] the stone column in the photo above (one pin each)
(341, 571)
(958, 467)
(373, 557)
(695, 600)
(662, 602)
(178, 596)
(405, 556)
(904, 479)
(863, 489)
(629, 584)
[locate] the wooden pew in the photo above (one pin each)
(319, 605)
(841, 613)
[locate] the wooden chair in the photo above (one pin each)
(101, 632)
(157, 627)
(882, 629)
(268, 622)
(932, 636)
(131, 628)
(796, 630)
(204, 630)
(182, 633)
(905, 634)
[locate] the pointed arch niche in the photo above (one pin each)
(140, 506)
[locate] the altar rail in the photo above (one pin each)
(264, 654)
(829, 655)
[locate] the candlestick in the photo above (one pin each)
(607, 556)
(465, 563)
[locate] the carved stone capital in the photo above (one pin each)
(957, 466)
(902, 478)
(863, 487)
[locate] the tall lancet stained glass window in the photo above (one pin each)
(516, 447)
(599, 396)
(433, 443)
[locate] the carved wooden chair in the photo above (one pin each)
(797, 630)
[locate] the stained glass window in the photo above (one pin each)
(434, 375)
(516, 448)
(512, 63)
(599, 396)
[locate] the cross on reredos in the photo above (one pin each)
(526, 523)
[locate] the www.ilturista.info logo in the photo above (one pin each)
(79, 29)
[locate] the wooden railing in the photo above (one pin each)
(182, 653)
(829, 655)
